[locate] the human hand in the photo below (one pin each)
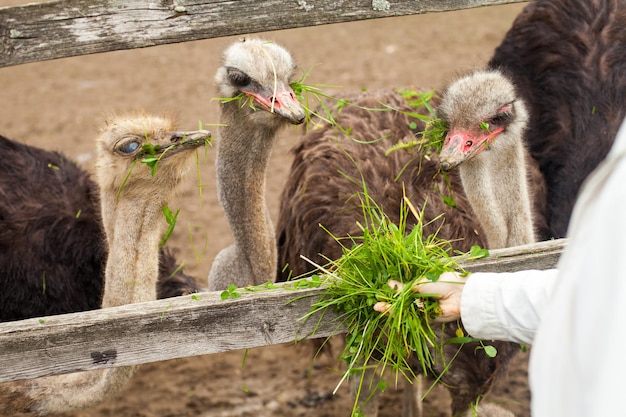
(447, 290)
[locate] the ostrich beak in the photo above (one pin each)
(174, 142)
(460, 146)
(280, 100)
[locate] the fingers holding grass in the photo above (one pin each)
(447, 290)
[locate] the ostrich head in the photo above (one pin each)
(261, 71)
(483, 111)
(125, 141)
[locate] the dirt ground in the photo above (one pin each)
(58, 105)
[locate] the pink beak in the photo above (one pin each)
(281, 101)
(460, 146)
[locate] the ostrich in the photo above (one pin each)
(327, 169)
(133, 224)
(568, 58)
(495, 183)
(261, 72)
(52, 247)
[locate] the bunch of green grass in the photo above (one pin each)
(359, 279)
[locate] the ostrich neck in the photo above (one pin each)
(133, 228)
(496, 186)
(242, 158)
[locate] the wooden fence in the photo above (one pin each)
(202, 323)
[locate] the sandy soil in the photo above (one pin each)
(58, 105)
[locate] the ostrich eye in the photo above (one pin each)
(238, 78)
(500, 119)
(129, 147)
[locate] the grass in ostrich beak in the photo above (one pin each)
(310, 97)
(151, 160)
(359, 279)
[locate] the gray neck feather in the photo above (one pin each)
(242, 158)
(496, 184)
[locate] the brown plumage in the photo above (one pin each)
(568, 58)
(318, 191)
(327, 171)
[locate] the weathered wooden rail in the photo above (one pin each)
(65, 28)
(192, 325)
(203, 323)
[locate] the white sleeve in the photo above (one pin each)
(577, 364)
(506, 306)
